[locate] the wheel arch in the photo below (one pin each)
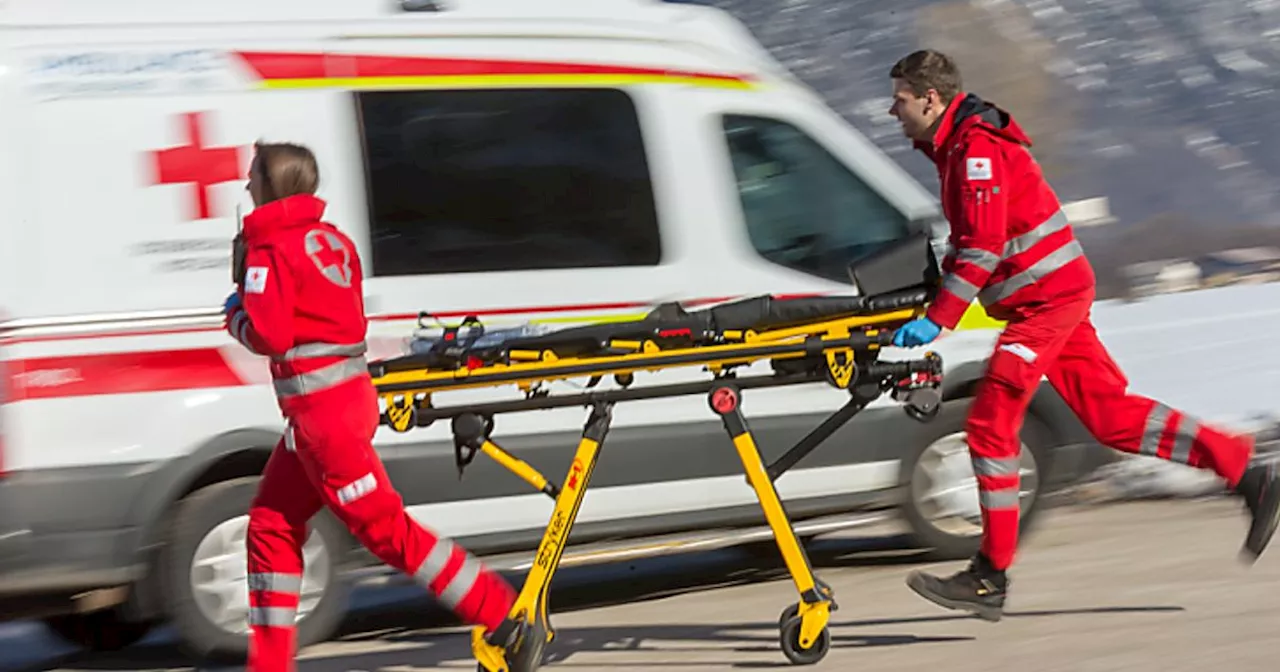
(1074, 449)
(234, 454)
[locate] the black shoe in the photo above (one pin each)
(979, 589)
(1260, 488)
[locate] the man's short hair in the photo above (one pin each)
(287, 169)
(929, 69)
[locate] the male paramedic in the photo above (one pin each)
(1011, 248)
(300, 304)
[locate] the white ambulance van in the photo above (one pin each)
(550, 162)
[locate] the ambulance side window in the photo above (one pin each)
(505, 180)
(803, 208)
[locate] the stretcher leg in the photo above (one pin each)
(802, 627)
(517, 645)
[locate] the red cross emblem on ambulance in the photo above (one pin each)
(196, 165)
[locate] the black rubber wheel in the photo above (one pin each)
(947, 544)
(529, 655)
(192, 519)
(789, 639)
(104, 630)
(787, 614)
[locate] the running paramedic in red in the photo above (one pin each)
(301, 305)
(1012, 249)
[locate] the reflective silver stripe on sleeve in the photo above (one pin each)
(961, 288)
(276, 617)
(1157, 418)
(240, 330)
(434, 563)
(984, 259)
(1023, 242)
(998, 500)
(1060, 257)
(275, 583)
(308, 350)
(1184, 435)
(996, 466)
(462, 582)
(322, 378)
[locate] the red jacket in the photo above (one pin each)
(1010, 244)
(302, 301)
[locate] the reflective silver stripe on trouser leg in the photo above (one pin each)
(322, 378)
(463, 580)
(996, 466)
(1157, 418)
(273, 582)
(1023, 242)
(1003, 498)
(998, 500)
(1051, 262)
(309, 350)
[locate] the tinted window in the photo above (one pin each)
(468, 181)
(803, 208)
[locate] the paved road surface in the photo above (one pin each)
(1139, 586)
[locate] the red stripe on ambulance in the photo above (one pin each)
(120, 373)
(209, 367)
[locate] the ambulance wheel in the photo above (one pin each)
(204, 565)
(941, 503)
(103, 630)
(789, 640)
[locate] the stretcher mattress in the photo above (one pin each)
(669, 325)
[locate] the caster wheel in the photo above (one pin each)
(788, 614)
(789, 638)
(527, 654)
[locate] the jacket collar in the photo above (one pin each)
(967, 110)
(282, 214)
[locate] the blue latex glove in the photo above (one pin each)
(232, 302)
(919, 331)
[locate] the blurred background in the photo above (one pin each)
(1153, 119)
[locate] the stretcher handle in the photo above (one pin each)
(900, 369)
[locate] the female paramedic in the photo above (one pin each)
(1013, 250)
(299, 302)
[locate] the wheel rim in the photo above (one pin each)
(945, 488)
(219, 575)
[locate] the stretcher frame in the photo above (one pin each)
(842, 352)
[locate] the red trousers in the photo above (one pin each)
(1060, 343)
(326, 458)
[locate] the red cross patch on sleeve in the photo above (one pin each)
(977, 168)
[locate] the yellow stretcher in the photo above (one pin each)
(836, 340)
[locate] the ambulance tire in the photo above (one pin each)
(962, 541)
(194, 517)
